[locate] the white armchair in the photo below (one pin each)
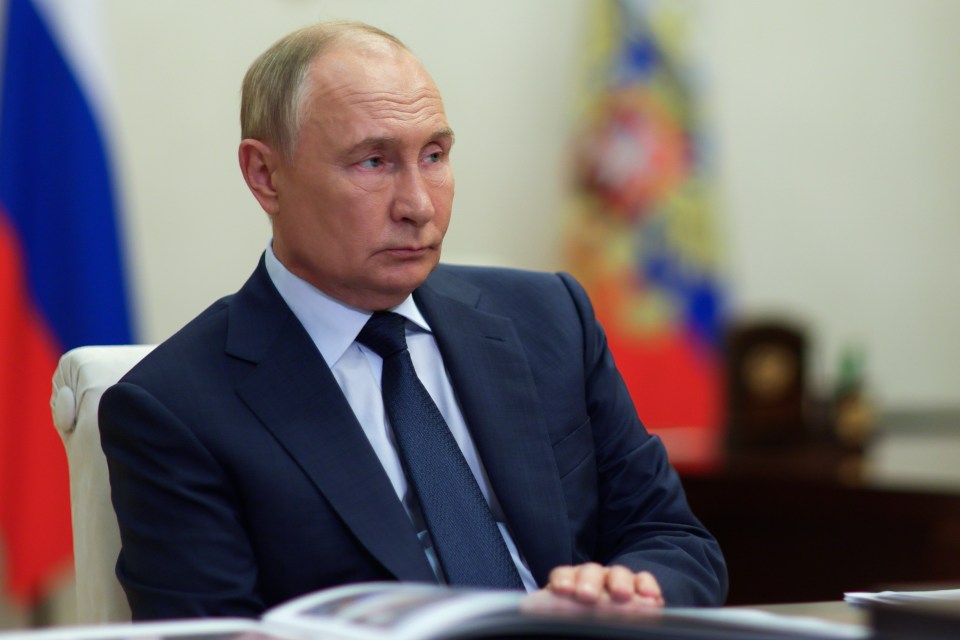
(81, 378)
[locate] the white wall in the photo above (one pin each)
(836, 125)
(839, 151)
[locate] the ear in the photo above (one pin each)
(258, 162)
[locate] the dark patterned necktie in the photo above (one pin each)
(464, 534)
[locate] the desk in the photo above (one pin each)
(832, 611)
(794, 535)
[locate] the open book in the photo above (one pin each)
(403, 611)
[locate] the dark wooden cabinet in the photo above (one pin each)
(794, 528)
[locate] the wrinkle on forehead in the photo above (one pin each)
(382, 84)
(369, 65)
(417, 105)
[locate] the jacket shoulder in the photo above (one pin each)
(511, 288)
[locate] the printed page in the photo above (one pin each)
(394, 610)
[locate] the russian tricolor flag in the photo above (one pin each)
(62, 281)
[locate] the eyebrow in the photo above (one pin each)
(386, 141)
(445, 132)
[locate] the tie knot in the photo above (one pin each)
(384, 333)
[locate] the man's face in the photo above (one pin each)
(364, 203)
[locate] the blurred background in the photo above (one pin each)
(755, 189)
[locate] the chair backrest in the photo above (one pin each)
(81, 378)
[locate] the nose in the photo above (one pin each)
(412, 200)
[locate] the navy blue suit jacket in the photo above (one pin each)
(241, 477)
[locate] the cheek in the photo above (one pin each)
(442, 217)
(443, 191)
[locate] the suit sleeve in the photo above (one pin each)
(645, 522)
(176, 513)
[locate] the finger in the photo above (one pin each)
(646, 586)
(547, 599)
(563, 580)
(621, 584)
(591, 582)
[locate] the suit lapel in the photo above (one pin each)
(294, 394)
(495, 386)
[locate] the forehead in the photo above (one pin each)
(371, 84)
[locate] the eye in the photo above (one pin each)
(371, 163)
(433, 156)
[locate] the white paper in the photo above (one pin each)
(866, 597)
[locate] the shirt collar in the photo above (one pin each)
(332, 325)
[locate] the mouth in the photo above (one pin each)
(409, 251)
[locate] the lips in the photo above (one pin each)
(418, 247)
(409, 251)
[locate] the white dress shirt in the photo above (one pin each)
(333, 326)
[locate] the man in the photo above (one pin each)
(252, 456)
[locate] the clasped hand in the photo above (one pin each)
(594, 586)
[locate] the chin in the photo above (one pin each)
(417, 272)
(403, 284)
(407, 285)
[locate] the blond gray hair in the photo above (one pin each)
(275, 85)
